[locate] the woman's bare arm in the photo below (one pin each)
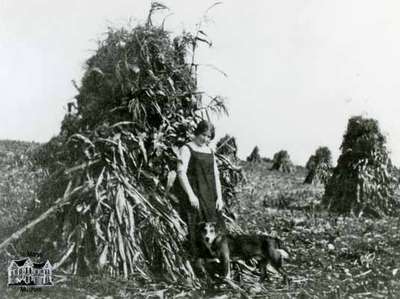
(183, 164)
(218, 185)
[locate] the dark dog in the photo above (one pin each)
(205, 236)
(225, 248)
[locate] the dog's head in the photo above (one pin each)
(207, 231)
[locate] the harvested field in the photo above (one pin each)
(330, 257)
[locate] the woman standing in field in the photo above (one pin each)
(201, 199)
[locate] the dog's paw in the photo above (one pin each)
(286, 280)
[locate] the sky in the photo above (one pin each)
(296, 69)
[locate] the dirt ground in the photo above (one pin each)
(329, 256)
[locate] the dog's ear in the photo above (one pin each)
(200, 225)
(220, 224)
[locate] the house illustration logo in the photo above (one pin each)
(26, 273)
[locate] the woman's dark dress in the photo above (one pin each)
(202, 179)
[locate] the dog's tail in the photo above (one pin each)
(283, 253)
(281, 249)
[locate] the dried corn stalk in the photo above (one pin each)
(138, 101)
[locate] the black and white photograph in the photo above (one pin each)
(179, 149)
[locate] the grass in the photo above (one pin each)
(330, 256)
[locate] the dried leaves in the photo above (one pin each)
(137, 102)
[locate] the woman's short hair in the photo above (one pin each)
(204, 127)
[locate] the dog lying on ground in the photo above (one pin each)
(215, 247)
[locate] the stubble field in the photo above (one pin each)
(329, 256)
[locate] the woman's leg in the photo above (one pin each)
(192, 230)
(221, 223)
